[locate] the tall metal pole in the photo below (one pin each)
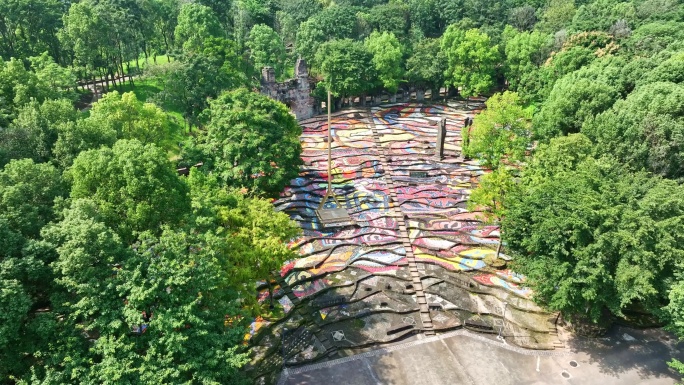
(329, 147)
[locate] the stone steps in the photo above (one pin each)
(413, 269)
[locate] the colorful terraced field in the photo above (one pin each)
(417, 261)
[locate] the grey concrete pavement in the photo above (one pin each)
(624, 357)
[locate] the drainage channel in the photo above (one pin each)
(399, 217)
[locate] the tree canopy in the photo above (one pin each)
(387, 56)
(346, 66)
(133, 185)
(115, 269)
(266, 48)
(470, 60)
(252, 141)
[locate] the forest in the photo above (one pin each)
(115, 269)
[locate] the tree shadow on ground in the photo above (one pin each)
(624, 349)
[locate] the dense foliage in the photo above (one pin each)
(585, 143)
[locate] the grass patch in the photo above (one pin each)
(161, 60)
(144, 89)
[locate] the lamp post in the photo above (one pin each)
(503, 323)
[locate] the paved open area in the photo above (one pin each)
(624, 356)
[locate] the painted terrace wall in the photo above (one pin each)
(417, 261)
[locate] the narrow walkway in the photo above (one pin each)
(398, 215)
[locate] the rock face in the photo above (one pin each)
(295, 93)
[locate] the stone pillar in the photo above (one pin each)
(420, 95)
(393, 97)
(301, 69)
(268, 75)
(441, 136)
(377, 99)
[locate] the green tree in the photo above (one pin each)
(81, 135)
(523, 18)
(491, 196)
(266, 48)
(595, 239)
(26, 137)
(252, 141)
(346, 67)
(249, 232)
(223, 9)
(189, 82)
(557, 15)
(83, 33)
(309, 38)
(196, 23)
(670, 70)
(27, 194)
(653, 10)
(392, 17)
(525, 53)
(28, 28)
(100, 35)
(652, 38)
(501, 132)
(559, 154)
(471, 60)
(335, 22)
(500, 135)
(424, 18)
(88, 252)
(164, 17)
(425, 67)
(645, 130)
(19, 85)
(387, 58)
(133, 185)
(573, 100)
(258, 12)
(54, 81)
(34, 131)
(186, 289)
(152, 313)
(131, 119)
(301, 10)
(601, 14)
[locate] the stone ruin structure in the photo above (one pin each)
(294, 93)
(415, 261)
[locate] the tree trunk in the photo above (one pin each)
(103, 74)
(166, 44)
(95, 88)
(130, 77)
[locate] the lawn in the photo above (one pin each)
(161, 60)
(145, 88)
